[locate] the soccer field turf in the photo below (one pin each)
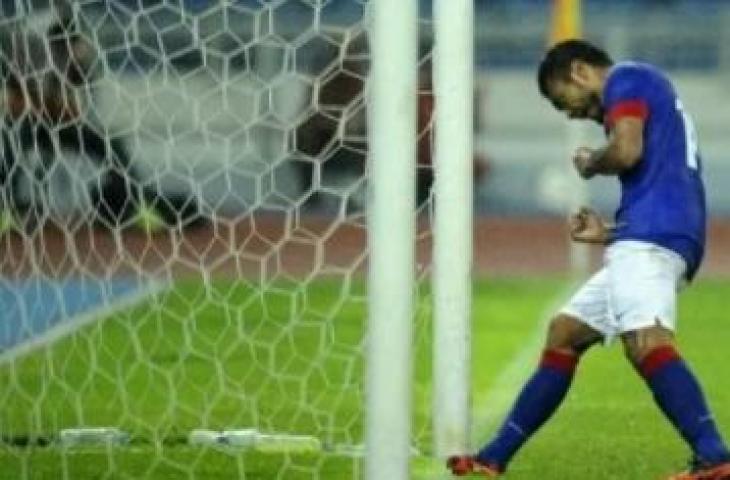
(228, 356)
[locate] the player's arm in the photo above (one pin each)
(586, 226)
(622, 152)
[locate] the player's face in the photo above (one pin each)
(576, 100)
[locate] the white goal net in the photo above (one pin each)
(183, 238)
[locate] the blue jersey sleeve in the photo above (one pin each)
(626, 94)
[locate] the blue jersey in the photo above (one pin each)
(662, 196)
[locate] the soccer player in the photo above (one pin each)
(656, 245)
(46, 80)
(48, 83)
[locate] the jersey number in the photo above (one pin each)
(690, 137)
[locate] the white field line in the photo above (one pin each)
(492, 403)
(65, 328)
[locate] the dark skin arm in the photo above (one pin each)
(622, 152)
(586, 226)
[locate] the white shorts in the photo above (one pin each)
(636, 288)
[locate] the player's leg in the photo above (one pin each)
(19, 140)
(117, 197)
(105, 151)
(35, 153)
(123, 193)
(7, 167)
(679, 396)
(7, 163)
(645, 281)
(571, 333)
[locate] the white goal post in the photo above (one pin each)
(453, 66)
(392, 128)
(391, 231)
(192, 193)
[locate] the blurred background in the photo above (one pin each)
(245, 104)
(183, 213)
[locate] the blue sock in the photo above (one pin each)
(538, 400)
(680, 397)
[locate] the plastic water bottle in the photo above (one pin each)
(94, 436)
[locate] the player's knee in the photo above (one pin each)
(640, 343)
(567, 334)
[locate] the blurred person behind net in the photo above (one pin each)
(48, 86)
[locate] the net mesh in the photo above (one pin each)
(184, 238)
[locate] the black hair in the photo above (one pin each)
(558, 59)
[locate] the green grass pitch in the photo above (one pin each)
(231, 356)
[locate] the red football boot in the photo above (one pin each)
(468, 465)
(701, 471)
